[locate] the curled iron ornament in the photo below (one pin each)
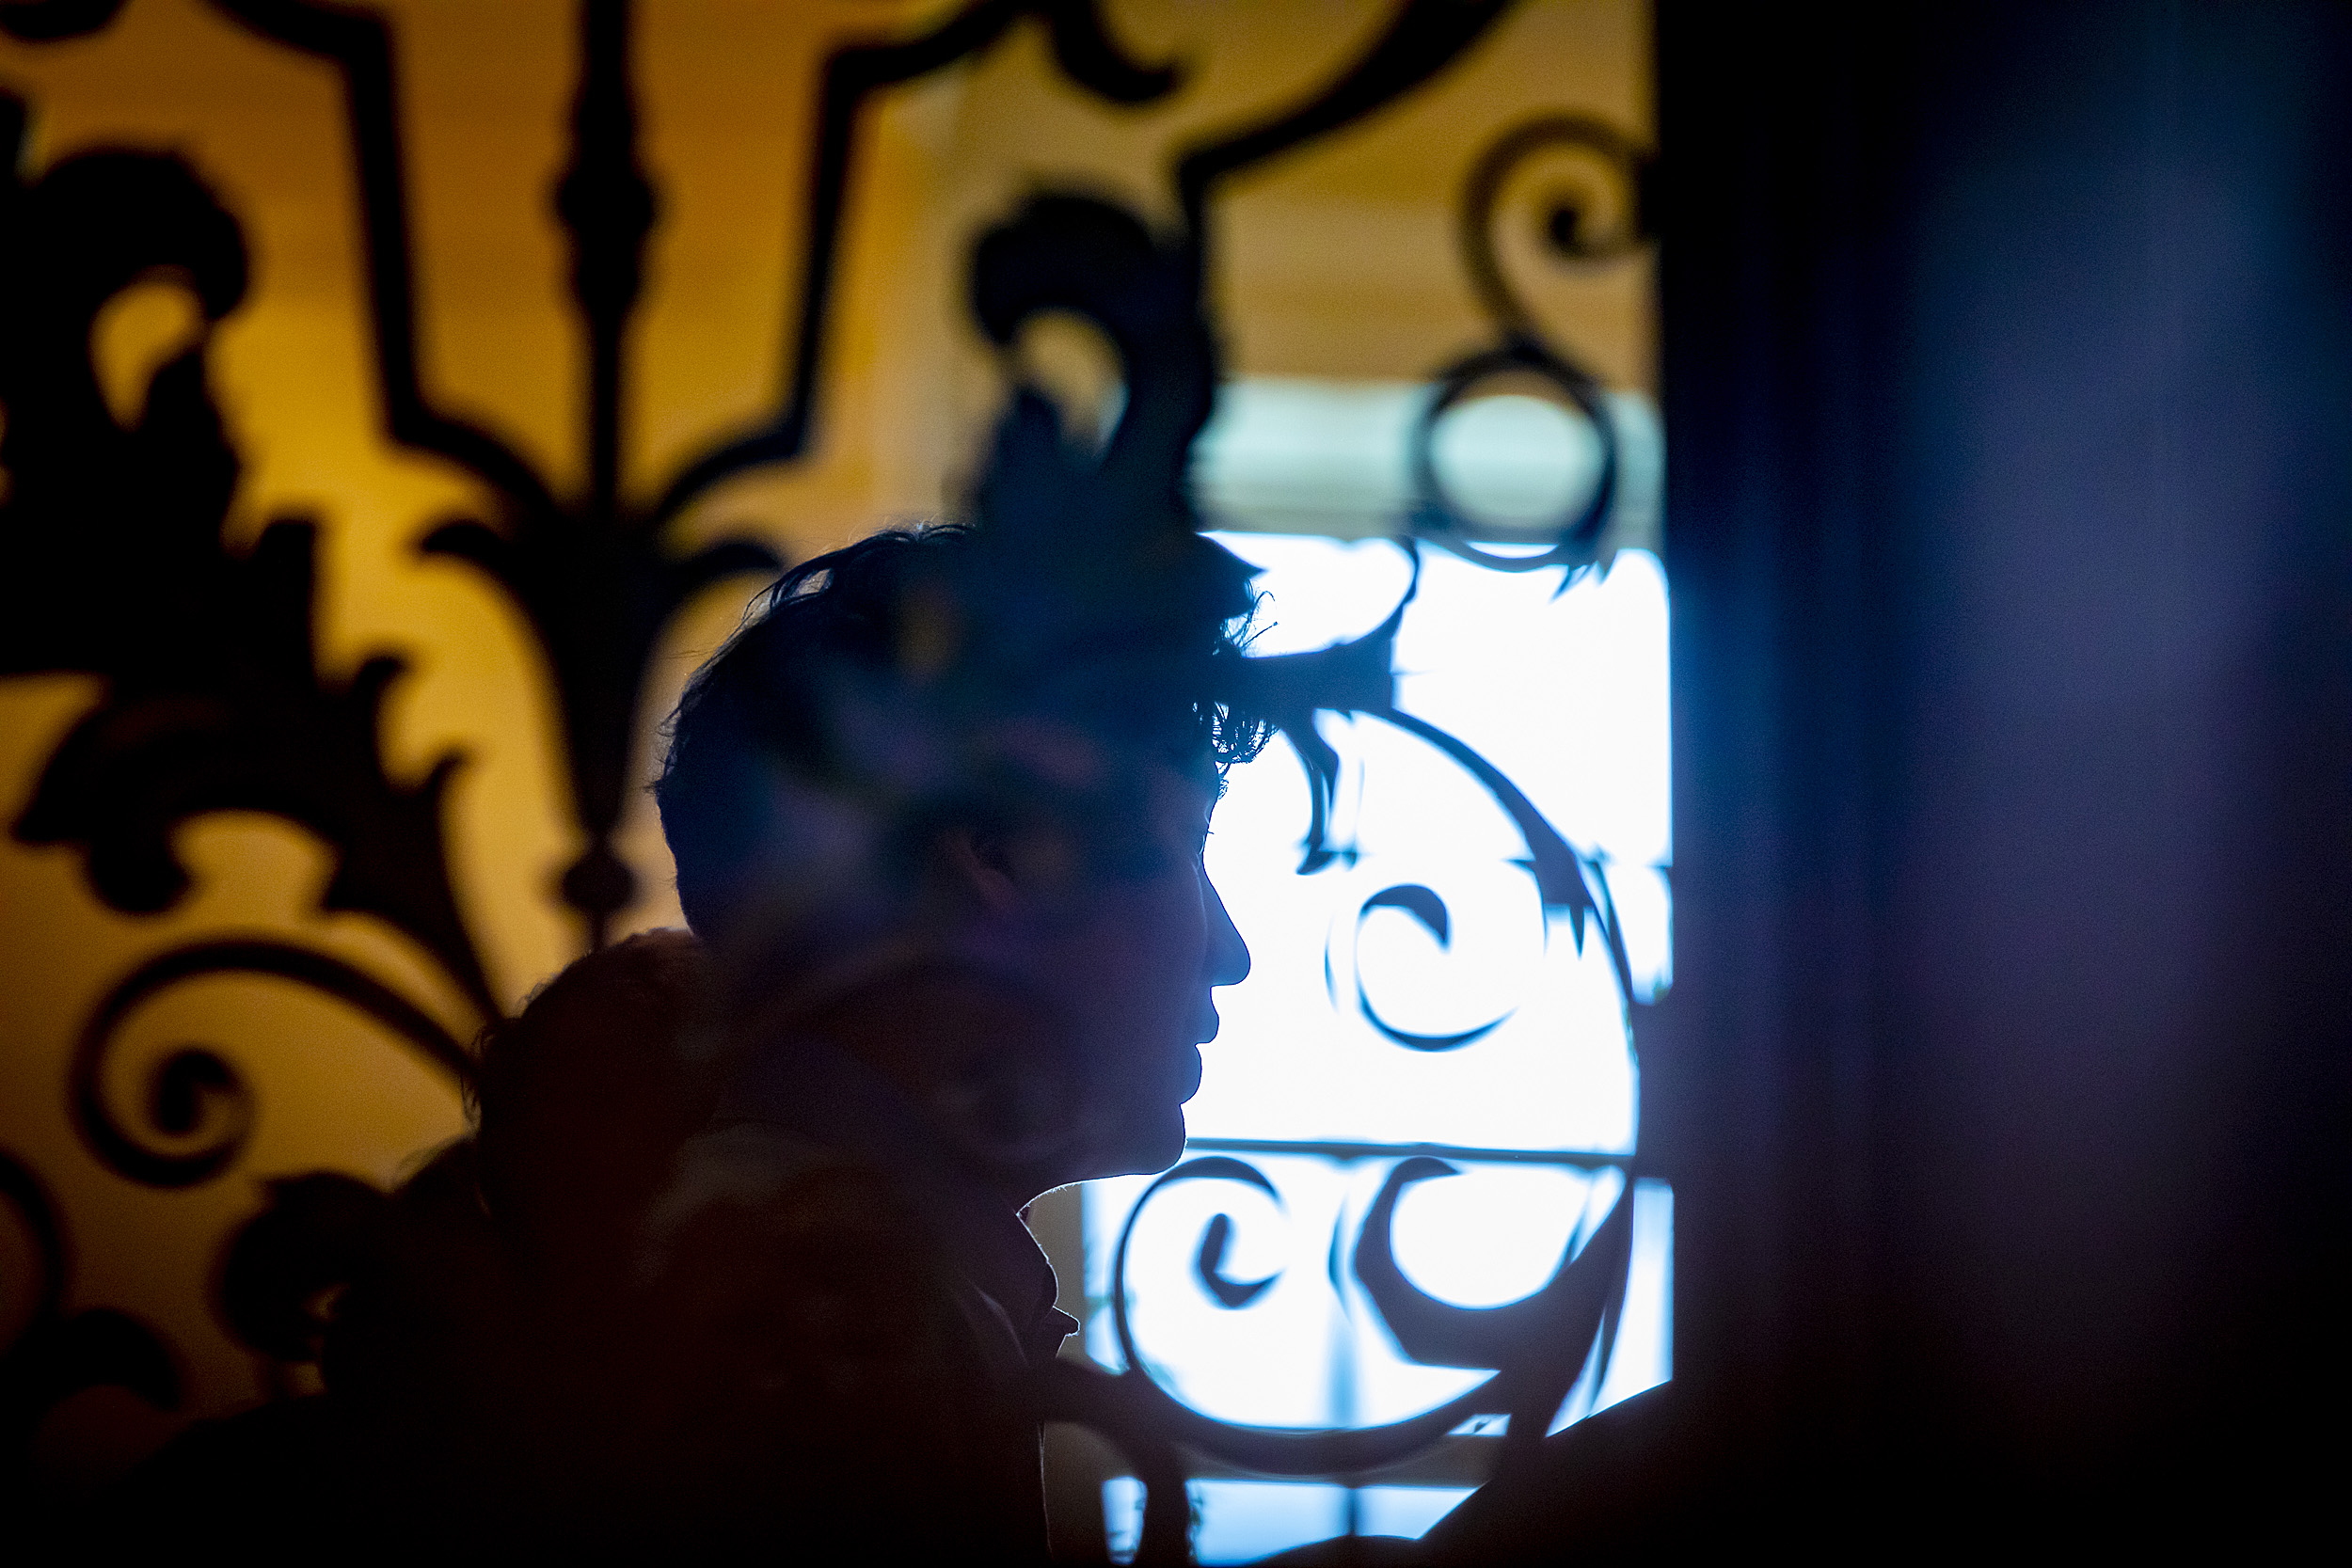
(1425, 905)
(1439, 1334)
(1421, 39)
(1522, 351)
(597, 579)
(1630, 164)
(195, 1085)
(1535, 1346)
(1576, 535)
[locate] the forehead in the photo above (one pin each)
(1153, 823)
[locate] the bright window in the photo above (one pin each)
(1412, 994)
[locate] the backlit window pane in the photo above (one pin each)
(1413, 989)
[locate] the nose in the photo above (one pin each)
(1227, 956)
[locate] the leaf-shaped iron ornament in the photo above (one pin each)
(1088, 560)
(853, 75)
(212, 699)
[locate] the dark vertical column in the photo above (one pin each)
(607, 205)
(2008, 396)
(1780, 176)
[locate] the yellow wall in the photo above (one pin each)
(1337, 262)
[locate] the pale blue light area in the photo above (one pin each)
(1565, 692)
(1643, 1356)
(1406, 1510)
(1308, 1350)
(1300, 1057)
(1122, 1517)
(1646, 914)
(1311, 457)
(1495, 1233)
(1295, 454)
(1514, 461)
(1240, 1520)
(1560, 681)
(1236, 1520)
(1566, 695)
(1316, 591)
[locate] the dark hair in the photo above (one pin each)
(926, 630)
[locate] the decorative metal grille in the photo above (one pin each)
(214, 699)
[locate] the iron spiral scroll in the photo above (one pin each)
(212, 699)
(1534, 1348)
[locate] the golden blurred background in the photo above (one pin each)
(1338, 262)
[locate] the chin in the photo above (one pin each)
(1152, 1144)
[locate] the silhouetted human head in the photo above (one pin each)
(949, 812)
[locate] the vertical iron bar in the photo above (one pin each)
(608, 205)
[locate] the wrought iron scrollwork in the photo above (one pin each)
(212, 699)
(1535, 1346)
(1539, 1339)
(1425, 905)
(1421, 40)
(853, 75)
(196, 1098)
(597, 578)
(1522, 350)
